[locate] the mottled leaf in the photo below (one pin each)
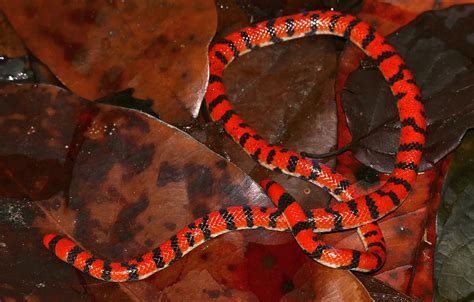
(120, 183)
(157, 48)
(442, 64)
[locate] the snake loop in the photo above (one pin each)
(360, 212)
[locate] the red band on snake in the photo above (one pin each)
(355, 212)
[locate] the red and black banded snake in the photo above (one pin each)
(354, 212)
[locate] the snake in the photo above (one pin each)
(353, 211)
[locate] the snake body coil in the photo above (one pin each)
(354, 212)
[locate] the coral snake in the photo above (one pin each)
(353, 212)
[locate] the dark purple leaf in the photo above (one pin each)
(439, 49)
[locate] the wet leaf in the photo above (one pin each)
(119, 183)
(159, 49)
(442, 64)
(453, 268)
(14, 60)
(16, 64)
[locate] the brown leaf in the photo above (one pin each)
(108, 177)
(99, 48)
(286, 93)
(341, 288)
(120, 183)
(11, 45)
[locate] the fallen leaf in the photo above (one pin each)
(442, 64)
(414, 276)
(14, 60)
(143, 179)
(119, 183)
(286, 93)
(380, 291)
(159, 49)
(453, 267)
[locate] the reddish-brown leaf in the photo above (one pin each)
(14, 61)
(95, 49)
(404, 232)
(11, 45)
(286, 92)
(120, 183)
